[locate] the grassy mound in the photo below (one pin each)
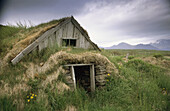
(140, 86)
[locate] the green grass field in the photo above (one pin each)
(141, 86)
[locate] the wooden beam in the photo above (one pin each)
(30, 48)
(92, 78)
(69, 38)
(78, 64)
(73, 76)
(17, 58)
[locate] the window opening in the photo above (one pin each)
(69, 42)
(72, 42)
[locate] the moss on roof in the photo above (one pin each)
(15, 38)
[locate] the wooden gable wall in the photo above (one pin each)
(67, 31)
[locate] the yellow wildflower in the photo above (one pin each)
(27, 96)
(32, 97)
(35, 95)
(32, 94)
(28, 100)
(108, 74)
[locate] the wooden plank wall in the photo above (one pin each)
(67, 31)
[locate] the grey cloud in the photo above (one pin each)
(143, 18)
(154, 23)
(2, 4)
(60, 6)
(31, 9)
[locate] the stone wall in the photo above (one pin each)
(100, 75)
(68, 77)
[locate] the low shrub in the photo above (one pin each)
(131, 57)
(158, 56)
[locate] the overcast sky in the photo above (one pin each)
(108, 22)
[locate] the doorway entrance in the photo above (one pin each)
(83, 75)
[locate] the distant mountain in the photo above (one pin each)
(128, 46)
(162, 44)
(122, 45)
(145, 46)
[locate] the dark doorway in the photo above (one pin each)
(82, 76)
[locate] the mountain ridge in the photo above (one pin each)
(161, 44)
